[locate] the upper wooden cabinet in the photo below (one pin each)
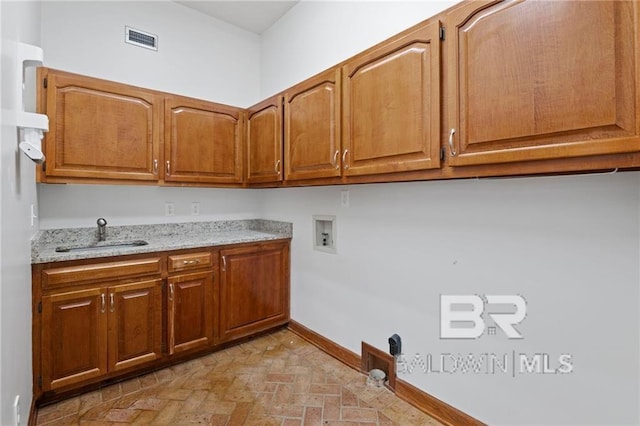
(531, 80)
(203, 141)
(312, 128)
(391, 118)
(527, 86)
(264, 141)
(100, 129)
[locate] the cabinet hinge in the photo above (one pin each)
(442, 33)
(40, 382)
(40, 307)
(44, 166)
(441, 153)
(45, 82)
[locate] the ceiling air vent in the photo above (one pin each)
(140, 38)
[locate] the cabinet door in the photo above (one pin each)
(203, 141)
(254, 289)
(101, 129)
(312, 128)
(391, 120)
(191, 310)
(135, 324)
(74, 337)
(264, 141)
(531, 80)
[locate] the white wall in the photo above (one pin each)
(315, 35)
(197, 55)
(73, 206)
(569, 245)
(20, 22)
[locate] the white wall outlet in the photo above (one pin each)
(16, 411)
(195, 208)
(344, 198)
(33, 215)
(169, 208)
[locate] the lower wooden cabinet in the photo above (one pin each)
(74, 337)
(135, 324)
(190, 312)
(254, 289)
(102, 319)
(89, 333)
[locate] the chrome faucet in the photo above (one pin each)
(102, 229)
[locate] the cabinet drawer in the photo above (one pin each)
(82, 274)
(189, 261)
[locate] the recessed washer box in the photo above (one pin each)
(324, 233)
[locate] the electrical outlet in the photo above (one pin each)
(16, 411)
(169, 209)
(195, 208)
(344, 198)
(33, 215)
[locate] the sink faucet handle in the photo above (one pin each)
(102, 229)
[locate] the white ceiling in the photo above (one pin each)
(254, 16)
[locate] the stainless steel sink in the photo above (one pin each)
(102, 246)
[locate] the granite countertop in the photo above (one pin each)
(162, 237)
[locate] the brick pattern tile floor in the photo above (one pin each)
(278, 379)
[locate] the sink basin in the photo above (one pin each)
(103, 245)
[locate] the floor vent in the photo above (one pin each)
(375, 358)
(140, 38)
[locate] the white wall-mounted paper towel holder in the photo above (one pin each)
(30, 124)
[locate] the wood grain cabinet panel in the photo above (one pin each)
(203, 141)
(90, 333)
(65, 276)
(100, 129)
(254, 289)
(532, 80)
(312, 128)
(74, 337)
(127, 318)
(190, 261)
(135, 324)
(264, 141)
(191, 311)
(391, 118)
